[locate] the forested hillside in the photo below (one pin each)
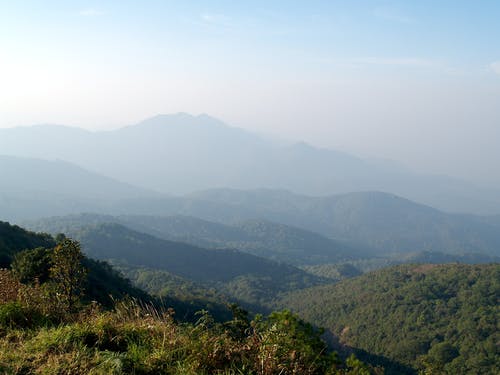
(374, 222)
(30, 254)
(381, 221)
(246, 278)
(436, 318)
(259, 237)
(55, 317)
(14, 239)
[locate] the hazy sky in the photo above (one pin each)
(416, 81)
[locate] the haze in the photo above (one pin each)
(250, 187)
(415, 82)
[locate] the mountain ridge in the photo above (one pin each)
(379, 221)
(191, 153)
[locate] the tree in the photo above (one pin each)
(30, 266)
(68, 273)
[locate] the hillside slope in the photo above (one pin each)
(258, 237)
(248, 278)
(443, 318)
(373, 223)
(14, 239)
(102, 283)
(378, 220)
(35, 188)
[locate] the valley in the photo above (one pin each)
(398, 285)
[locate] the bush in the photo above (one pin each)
(9, 286)
(12, 314)
(141, 339)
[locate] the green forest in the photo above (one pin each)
(432, 318)
(54, 321)
(151, 305)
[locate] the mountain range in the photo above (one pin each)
(59, 171)
(32, 188)
(373, 223)
(251, 279)
(258, 237)
(182, 153)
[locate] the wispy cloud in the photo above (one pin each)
(416, 62)
(91, 12)
(393, 15)
(495, 67)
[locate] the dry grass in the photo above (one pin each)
(9, 286)
(138, 338)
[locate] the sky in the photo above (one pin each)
(413, 81)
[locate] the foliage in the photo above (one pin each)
(9, 286)
(102, 283)
(31, 265)
(241, 276)
(440, 318)
(258, 237)
(67, 273)
(14, 239)
(141, 339)
(12, 314)
(187, 296)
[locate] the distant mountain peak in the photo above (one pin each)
(179, 153)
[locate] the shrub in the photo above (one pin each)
(12, 314)
(9, 286)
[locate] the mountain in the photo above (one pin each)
(34, 188)
(103, 282)
(372, 223)
(259, 237)
(250, 279)
(14, 239)
(434, 318)
(295, 245)
(106, 284)
(378, 220)
(182, 153)
(343, 270)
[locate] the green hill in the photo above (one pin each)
(104, 283)
(381, 221)
(438, 318)
(14, 239)
(46, 327)
(258, 237)
(245, 277)
(384, 223)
